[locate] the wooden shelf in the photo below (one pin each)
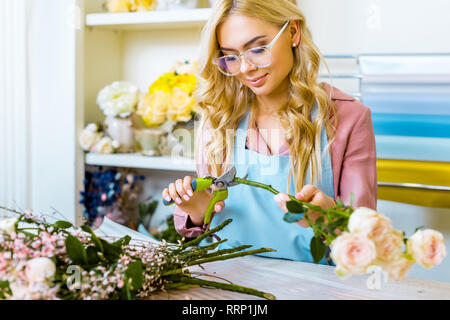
(173, 19)
(137, 160)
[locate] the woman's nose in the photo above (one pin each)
(245, 66)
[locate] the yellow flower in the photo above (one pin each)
(144, 5)
(130, 5)
(118, 5)
(153, 108)
(180, 106)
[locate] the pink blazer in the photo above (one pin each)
(353, 158)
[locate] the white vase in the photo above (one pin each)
(121, 129)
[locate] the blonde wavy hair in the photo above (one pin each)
(223, 100)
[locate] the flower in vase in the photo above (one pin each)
(118, 5)
(143, 5)
(185, 67)
(106, 145)
(118, 99)
(180, 106)
(89, 136)
(130, 5)
(153, 107)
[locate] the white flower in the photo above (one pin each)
(89, 137)
(118, 99)
(39, 269)
(369, 222)
(427, 247)
(105, 145)
(8, 225)
(352, 253)
(185, 67)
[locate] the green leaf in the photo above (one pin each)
(110, 251)
(295, 207)
(62, 224)
(135, 272)
(122, 241)
(352, 198)
(317, 248)
(76, 250)
(95, 240)
(417, 229)
(92, 256)
(4, 288)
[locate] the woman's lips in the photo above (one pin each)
(256, 82)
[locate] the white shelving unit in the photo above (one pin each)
(173, 19)
(136, 160)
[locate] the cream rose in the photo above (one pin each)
(352, 253)
(39, 269)
(118, 99)
(390, 246)
(105, 146)
(89, 137)
(369, 222)
(180, 106)
(398, 267)
(153, 108)
(8, 225)
(427, 247)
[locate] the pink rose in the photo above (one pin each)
(367, 221)
(427, 247)
(390, 246)
(352, 253)
(398, 267)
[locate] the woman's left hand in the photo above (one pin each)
(311, 194)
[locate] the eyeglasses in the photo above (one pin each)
(260, 57)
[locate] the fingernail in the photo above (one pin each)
(276, 197)
(178, 200)
(168, 198)
(186, 197)
(300, 195)
(217, 208)
(190, 193)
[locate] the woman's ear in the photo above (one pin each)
(294, 32)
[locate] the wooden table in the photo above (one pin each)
(291, 280)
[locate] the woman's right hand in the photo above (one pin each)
(193, 203)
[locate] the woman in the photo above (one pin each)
(258, 71)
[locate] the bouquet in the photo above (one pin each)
(362, 239)
(93, 139)
(170, 97)
(130, 5)
(42, 260)
(118, 99)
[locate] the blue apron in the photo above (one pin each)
(257, 219)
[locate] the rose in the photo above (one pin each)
(369, 222)
(352, 253)
(427, 247)
(89, 137)
(8, 225)
(143, 5)
(180, 106)
(390, 246)
(118, 99)
(153, 108)
(39, 269)
(397, 267)
(106, 145)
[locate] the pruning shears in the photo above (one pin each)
(220, 191)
